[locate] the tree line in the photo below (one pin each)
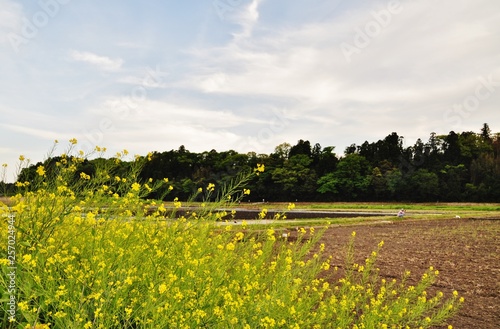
(456, 167)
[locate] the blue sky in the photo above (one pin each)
(246, 75)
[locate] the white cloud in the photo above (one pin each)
(247, 17)
(45, 134)
(418, 54)
(102, 62)
(156, 113)
(11, 16)
(158, 125)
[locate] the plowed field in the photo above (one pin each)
(465, 251)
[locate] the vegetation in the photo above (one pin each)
(455, 167)
(88, 252)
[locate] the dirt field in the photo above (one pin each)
(465, 251)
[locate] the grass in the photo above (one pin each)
(407, 206)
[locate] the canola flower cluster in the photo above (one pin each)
(90, 255)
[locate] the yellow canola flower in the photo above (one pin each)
(26, 258)
(136, 187)
(162, 288)
(239, 236)
(40, 170)
(177, 203)
(73, 141)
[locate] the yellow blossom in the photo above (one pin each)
(239, 236)
(136, 187)
(40, 170)
(162, 288)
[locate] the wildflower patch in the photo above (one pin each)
(89, 255)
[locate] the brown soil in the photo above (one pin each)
(465, 251)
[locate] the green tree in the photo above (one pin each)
(302, 147)
(485, 176)
(327, 161)
(395, 184)
(453, 180)
(295, 178)
(349, 181)
(423, 185)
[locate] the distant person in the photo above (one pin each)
(401, 213)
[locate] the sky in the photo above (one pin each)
(245, 75)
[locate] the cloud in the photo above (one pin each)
(10, 19)
(37, 132)
(103, 62)
(248, 18)
(157, 113)
(163, 124)
(306, 63)
(406, 77)
(10, 15)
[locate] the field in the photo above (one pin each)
(74, 263)
(465, 251)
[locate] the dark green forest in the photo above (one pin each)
(447, 168)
